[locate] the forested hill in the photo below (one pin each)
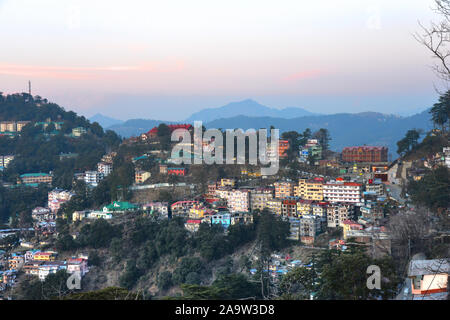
(39, 144)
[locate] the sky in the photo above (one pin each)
(168, 59)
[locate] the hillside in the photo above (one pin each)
(346, 129)
(37, 148)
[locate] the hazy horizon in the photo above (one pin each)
(167, 60)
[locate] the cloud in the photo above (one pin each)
(88, 72)
(303, 75)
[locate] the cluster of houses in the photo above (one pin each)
(38, 263)
(104, 168)
(44, 217)
(281, 264)
(310, 205)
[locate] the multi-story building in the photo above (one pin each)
(310, 226)
(312, 149)
(289, 207)
(309, 189)
(42, 214)
(157, 207)
(12, 126)
(109, 157)
(34, 178)
(192, 225)
(365, 154)
(283, 189)
(283, 146)
(338, 213)
(348, 225)
(92, 178)
(304, 207)
(238, 200)
(319, 209)
(140, 176)
(372, 211)
(375, 188)
(339, 191)
(32, 267)
(275, 206)
(16, 261)
(44, 256)
(21, 124)
(176, 171)
(57, 197)
(183, 207)
(50, 267)
(29, 255)
(224, 182)
(259, 198)
(294, 228)
(223, 192)
(105, 168)
(78, 131)
(5, 160)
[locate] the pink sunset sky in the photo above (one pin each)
(167, 59)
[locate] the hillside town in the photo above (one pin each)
(351, 202)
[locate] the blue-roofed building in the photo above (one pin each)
(223, 218)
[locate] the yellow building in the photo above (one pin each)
(304, 207)
(141, 176)
(275, 206)
(309, 190)
(44, 256)
(283, 189)
(225, 182)
(197, 212)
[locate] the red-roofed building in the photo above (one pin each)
(339, 191)
(154, 131)
(365, 154)
(193, 225)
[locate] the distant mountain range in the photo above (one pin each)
(346, 129)
(104, 121)
(249, 108)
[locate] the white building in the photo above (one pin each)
(50, 267)
(339, 191)
(5, 160)
(238, 200)
(42, 214)
(338, 213)
(57, 197)
(92, 178)
(105, 168)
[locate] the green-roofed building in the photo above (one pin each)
(35, 178)
(120, 207)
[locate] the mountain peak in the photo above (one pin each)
(247, 107)
(104, 121)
